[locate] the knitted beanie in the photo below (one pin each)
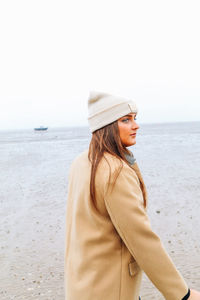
(104, 109)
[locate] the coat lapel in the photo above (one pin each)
(142, 185)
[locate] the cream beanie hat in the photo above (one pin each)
(105, 109)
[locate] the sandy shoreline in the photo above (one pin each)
(33, 198)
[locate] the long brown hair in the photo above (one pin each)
(106, 139)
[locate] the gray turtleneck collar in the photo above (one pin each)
(130, 158)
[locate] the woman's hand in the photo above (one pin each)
(194, 295)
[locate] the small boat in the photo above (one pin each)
(40, 128)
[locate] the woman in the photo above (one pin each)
(109, 240)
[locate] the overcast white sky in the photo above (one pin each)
(54, 52)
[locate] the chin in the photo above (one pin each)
(130, 144)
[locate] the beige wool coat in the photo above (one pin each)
(108, 247)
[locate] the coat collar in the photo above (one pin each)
(133, 164)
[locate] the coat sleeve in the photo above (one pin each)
(124, 203)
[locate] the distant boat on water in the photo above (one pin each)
(41, 128)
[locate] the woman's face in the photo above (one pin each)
(127, 129)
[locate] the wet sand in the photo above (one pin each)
(33, 194)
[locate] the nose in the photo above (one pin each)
(135, 125)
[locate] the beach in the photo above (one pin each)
(34, 169)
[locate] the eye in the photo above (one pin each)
(125, 120)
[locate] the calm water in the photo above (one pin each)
(82, 133)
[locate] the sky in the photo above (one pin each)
(53, 53)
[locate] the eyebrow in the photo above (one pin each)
(129, 115)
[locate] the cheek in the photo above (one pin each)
(123, 131)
